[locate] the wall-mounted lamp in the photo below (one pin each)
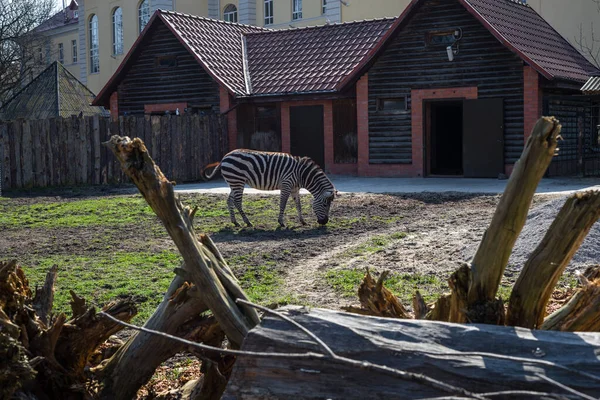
(450, 50)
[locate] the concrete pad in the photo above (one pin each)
(349, 184)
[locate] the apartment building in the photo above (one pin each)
(95, 35)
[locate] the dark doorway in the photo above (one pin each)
(307, 132)
(483, 138)
(445, 137)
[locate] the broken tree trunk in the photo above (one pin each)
(548, 261)
(497, 243)
(205, 267)
(377, 300)
(478, 358)
(582, 311)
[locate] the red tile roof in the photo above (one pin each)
(313, 59)
(522, 29)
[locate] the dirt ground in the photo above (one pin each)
(441, 230)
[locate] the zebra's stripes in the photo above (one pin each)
(271, 171)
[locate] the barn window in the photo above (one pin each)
(445, 38)
(230, 13)
(296, 9)
(268, 12)
(165, 61)
(392, 105)
(117, 19)
(94, 56)
(143, 14)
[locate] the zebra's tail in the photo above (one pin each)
(207, 177)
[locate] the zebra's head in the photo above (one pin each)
(321, 205)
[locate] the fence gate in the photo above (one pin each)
(579, 153)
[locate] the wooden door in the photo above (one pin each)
(307, 133)
(483, 138)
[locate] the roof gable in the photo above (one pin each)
(314, 59)
(518, 27)
(55, 92)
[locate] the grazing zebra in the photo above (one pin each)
(272, 171)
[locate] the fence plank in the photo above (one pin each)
(27, 155)
(96, 140)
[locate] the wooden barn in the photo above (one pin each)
(449, 88)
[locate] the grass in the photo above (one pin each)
(102, 278)
(374, 244)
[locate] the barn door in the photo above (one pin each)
(307, 132)
(483, 138)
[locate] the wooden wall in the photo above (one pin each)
(69, 151)
(147, 83)
(408, 63)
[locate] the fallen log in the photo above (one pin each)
(477, 358)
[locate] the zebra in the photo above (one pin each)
(271, 171)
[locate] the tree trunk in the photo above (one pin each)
(377, 300)
(206, 269)
(478, 358)
(497, 243)
(546, 264)
(582, 312)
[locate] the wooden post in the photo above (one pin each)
(546, 264)
(496, 245)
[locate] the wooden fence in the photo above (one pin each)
(69, 151)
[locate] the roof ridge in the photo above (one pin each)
(260, 28)
(335, 24)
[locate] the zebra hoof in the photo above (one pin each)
(303, 222)
(236, 224)
(249, 224)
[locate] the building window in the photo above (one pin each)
(445, 38)
(296, 9)
(392, 105)
(61, 53)
(165, 61)
(143, 14)
(74, 50)
(40, 55)
(230, 13)
(94, 58)
(268, 12)
(117, 19)
(323, 7)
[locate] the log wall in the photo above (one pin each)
(69, 151)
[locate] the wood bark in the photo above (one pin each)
(377, 300)
(206, 269)
(478, 358)
(548, 261)
(135, 362)
(582, 311)
(497, 243)
(44, 297)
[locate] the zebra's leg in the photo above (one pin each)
(285, 195)
(296, 196)
(230, 206)
(237, 194)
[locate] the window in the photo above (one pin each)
(94, 57)
(117, 20)
(392, 105)
(296, 9)
(268, 12)
(323, 6)
(40, 55)
(143, 14)
(446, 38)
(74, 50)
(230, 13)
(61, 53)
(165, 61)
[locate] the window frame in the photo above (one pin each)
(143, 15)
(381, 101)
(230, 13)
(268, 10)
(117, 31)
(61, 53)
(296, 10)
(94, 44)
(74, 51)
(323, 7)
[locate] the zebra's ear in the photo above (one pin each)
(337, 194)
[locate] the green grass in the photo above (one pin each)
(78, 213)
(374, 244)
(346, 282)
(102, 278)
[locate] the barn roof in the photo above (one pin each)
(313, 59)
(55, 92)
(592, 86)
(518, 27)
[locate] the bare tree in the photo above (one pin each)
(22, 47)
(590, 45)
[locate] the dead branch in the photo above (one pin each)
(546, 264)
(44, 297)
(420, 308)
(497, 243)
(377, 300)
(205, 268)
